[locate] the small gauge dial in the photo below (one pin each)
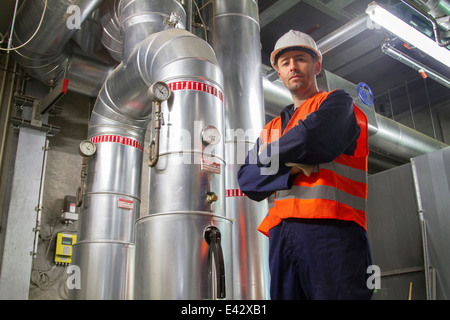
(87, 148)
(159, 91)
(210, 135)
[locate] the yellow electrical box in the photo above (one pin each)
(64, 243)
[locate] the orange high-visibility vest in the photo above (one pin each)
(334, 190)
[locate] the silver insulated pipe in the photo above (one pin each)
(237, 45)
(183, 244)
(104, 251)
(46, 56)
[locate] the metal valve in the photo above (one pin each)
(175, 21)
(212, 197)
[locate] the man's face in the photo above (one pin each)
(297, 71)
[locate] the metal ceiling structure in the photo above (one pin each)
(397, 87)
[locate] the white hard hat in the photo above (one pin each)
(294, 39)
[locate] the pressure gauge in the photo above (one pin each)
(87, 148)
(159, 91)
(210, 135)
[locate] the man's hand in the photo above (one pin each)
(300, 168)
(295, 170)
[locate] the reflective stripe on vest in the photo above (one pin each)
(345, 171)
(271, 200)
(322, 192)
(353, 183)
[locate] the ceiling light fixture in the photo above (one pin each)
(408, 33)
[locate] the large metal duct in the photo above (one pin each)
(437, 8)
(400, 143)
(342, 34)
(237, 45)
(104, 251)
(141, 18)
(46, 56)
(87, 74)
(186, 232)
(111, 38)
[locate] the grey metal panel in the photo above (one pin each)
(394, 232)
(19, 226)
(432, 171)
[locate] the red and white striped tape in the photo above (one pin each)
(197, 86)
(234, 193)
(118, 139)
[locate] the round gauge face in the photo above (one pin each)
(210, 135)
(159, 91)
(87, 148)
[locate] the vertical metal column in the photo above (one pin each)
(237, 48)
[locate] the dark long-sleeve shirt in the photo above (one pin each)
(324, 135)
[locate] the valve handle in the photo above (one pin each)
(365, 93)
(213, 237)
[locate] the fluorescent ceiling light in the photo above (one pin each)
(408, 33)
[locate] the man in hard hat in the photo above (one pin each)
(318, 246)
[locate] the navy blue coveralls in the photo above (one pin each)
(312, 258)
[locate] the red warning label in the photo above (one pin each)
(209, 165)
(125, 204)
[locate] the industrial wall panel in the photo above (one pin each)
(432, 173)
(394, 232)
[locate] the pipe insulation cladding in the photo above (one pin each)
(46, 55)
(106, 241)
(111, 203)
(187, 184)
(237, 45)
